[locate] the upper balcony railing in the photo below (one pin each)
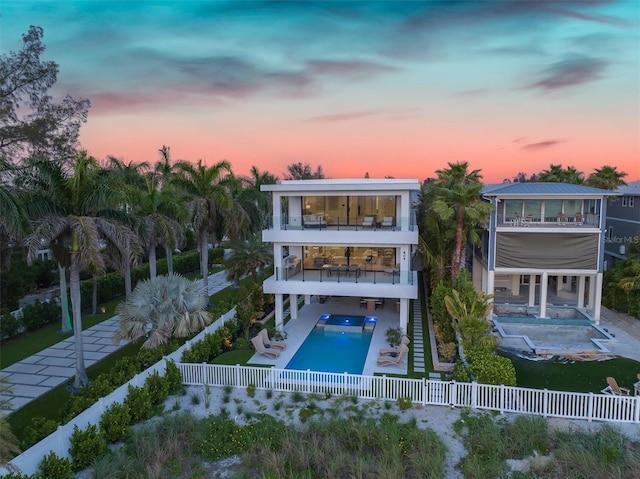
(359, 223)
(345, 274)
(578, 220)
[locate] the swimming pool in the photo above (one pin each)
(346, 323)
(333, 352)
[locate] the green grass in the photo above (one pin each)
(238, 356)
(581, 376)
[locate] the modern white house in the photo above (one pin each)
(346, 238)
(543, 241)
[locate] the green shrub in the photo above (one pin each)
(9, 326)
(115, 421)
(86, 446)
(55, 467)
(489, 368)
(39, 314)
(139, 402)
(460, 372)
(251, 390)
(404, 403)
(158, 388)
(173, 376)
(305, 413)
(39, 428)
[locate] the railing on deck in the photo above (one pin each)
(590, 220)
(503, 399)
(360, 223)
(344, 274)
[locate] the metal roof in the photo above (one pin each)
(630, 189)
(543, 189)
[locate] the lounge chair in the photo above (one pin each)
(271, 343)
(614, 389)
(393, 360)
(396, 349)
(271, 353)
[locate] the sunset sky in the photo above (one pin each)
(389, 88)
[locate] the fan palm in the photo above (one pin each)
(8, 442)
(161, 308)
(470, 313)
(79, 215)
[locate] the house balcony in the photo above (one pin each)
(344, 281)
(296, 230)
(320, 221)
(588, 221)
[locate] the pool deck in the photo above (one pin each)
(298, 329)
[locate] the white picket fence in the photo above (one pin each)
(503, 399)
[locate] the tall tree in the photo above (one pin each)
(14, 222)
(254, 181)
(211, 207)
(30, 122)
(80, 213)
(607, 178)
(458, 198)
(302, 171)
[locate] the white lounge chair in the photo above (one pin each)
(271, 343)
(271, 353)
(369, 221)
(387, 222)
(393, 360)
(614, 389)
(396, 349)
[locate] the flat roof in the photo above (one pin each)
(547, 190)
(345, 184)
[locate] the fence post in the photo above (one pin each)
(308, 382)
(590, 407)
(237, 375)
(545, 403)
(502, 400)
(425, 385)
(345, 391)
(474, 395)
(637, 410)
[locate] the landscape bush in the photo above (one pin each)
(86, 446)
(115, 422)
(158, 388)
(489, 368)
(55, 467)
(139, 402)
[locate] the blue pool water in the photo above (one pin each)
(333, 352)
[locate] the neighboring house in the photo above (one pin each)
(343, 237)
(543, 245)
(622, 223)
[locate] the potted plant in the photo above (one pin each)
(393, 336)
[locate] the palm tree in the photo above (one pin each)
(470, 313)
(248, 256)
(211, 206)
(254, 181)
(458, 197)
(161, 308)
(82, 214)
(556, 174)
(14, 222)
(606, 178)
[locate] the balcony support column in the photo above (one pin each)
(293, 305)
(279, 312)
(404, 314)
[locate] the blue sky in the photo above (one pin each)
(390, 88)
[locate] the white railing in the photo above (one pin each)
(503, 399)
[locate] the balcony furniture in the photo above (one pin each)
(614, 389)
(528, 220)
(313, 221)
(387, 222)
(561, 219)
(369, 222)
(516, 220)
(578, 219)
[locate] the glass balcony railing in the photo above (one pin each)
(345, 274)
(360, 223)
(589, 220)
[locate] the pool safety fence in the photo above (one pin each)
(502, 399)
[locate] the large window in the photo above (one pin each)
(349, 210)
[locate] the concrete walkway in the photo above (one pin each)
(38, 374)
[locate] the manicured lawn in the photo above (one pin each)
(581, 376)
(238, 356)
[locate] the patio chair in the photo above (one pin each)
(369, 221)
(614, 389)
(271, 343)
(271, 353)
(396, 349)
(393, 360)
(387, 222)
